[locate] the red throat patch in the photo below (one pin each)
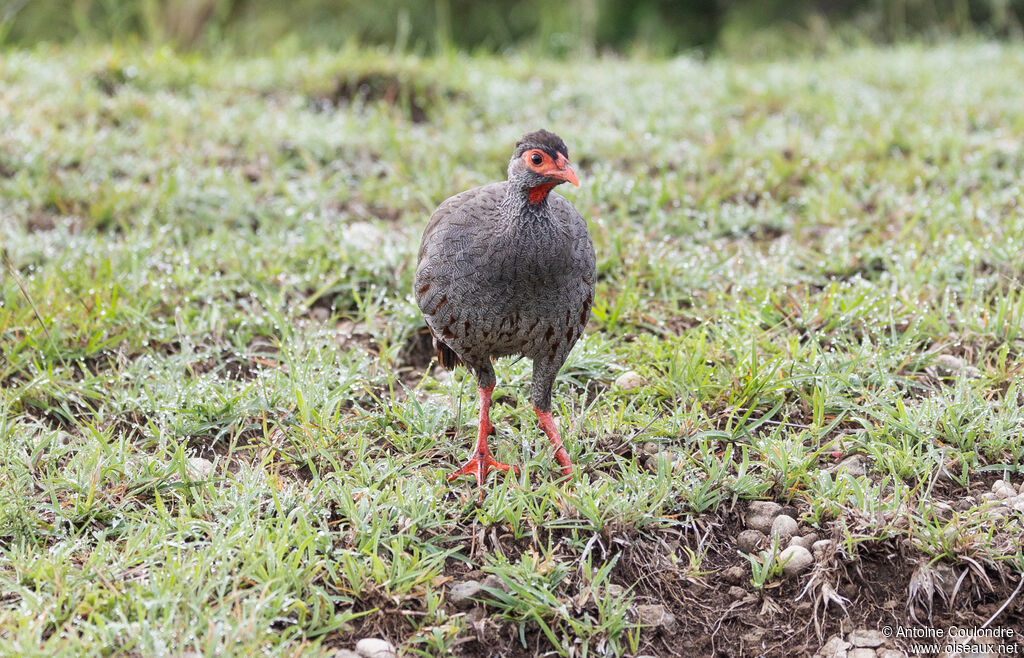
(540, 192)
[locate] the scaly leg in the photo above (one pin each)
(480, 462)
(547, 424)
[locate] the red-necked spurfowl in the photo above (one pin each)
(505, 269)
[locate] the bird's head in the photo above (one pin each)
(540, 162)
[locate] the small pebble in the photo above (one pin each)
(656, 615)
(461, 595)
(1005, 492)
(861, 653)
(784, 527)
(807, 541)
(736, 592)
(863, 637)
(345, 653)
(890, 653)
(836, 647)
(795, 560)
(952, 365)
(760, 515)
(629, 381)
(854, 465)
(735, 575)
(750, 541)
(372, 647)
(493, 582)
(820, 547)
(199, 468)
(651, 448)
(764, 508)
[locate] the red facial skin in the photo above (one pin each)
(558, 169)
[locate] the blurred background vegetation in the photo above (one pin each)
(562, 28)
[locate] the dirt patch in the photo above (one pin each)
(418, 351)
(716, 613)
(414, 97)
(44, 220)
(229, 365)
(56, 413)
(364, 212)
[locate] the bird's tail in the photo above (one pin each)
(446, 355)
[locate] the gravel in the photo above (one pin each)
(820, 547)
(735, 575)
(807, 541)
(199, 468)
(854, 465)
(750, 541)
(372, 647)
(656, 615)
(835, 647)
(784, 527)
(629, 381)
(493, 582)
(866, 638)
(461, 594)
(861, 653)
(795, 560)
(761, 514)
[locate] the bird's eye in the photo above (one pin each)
(536, 159)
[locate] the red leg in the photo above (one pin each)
(547, 424)
(480, 462)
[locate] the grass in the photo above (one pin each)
(212, 259)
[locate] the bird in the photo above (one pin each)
(509, 269)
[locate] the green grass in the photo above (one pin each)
(213, 258)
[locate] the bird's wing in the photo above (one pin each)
(451, 248)
(457, 218)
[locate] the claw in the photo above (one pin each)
(479, 465)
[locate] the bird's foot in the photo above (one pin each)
(479, 465)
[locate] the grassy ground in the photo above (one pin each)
(209, 259)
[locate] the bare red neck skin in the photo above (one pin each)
(540, 192)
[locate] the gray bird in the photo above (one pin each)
(508, 269)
